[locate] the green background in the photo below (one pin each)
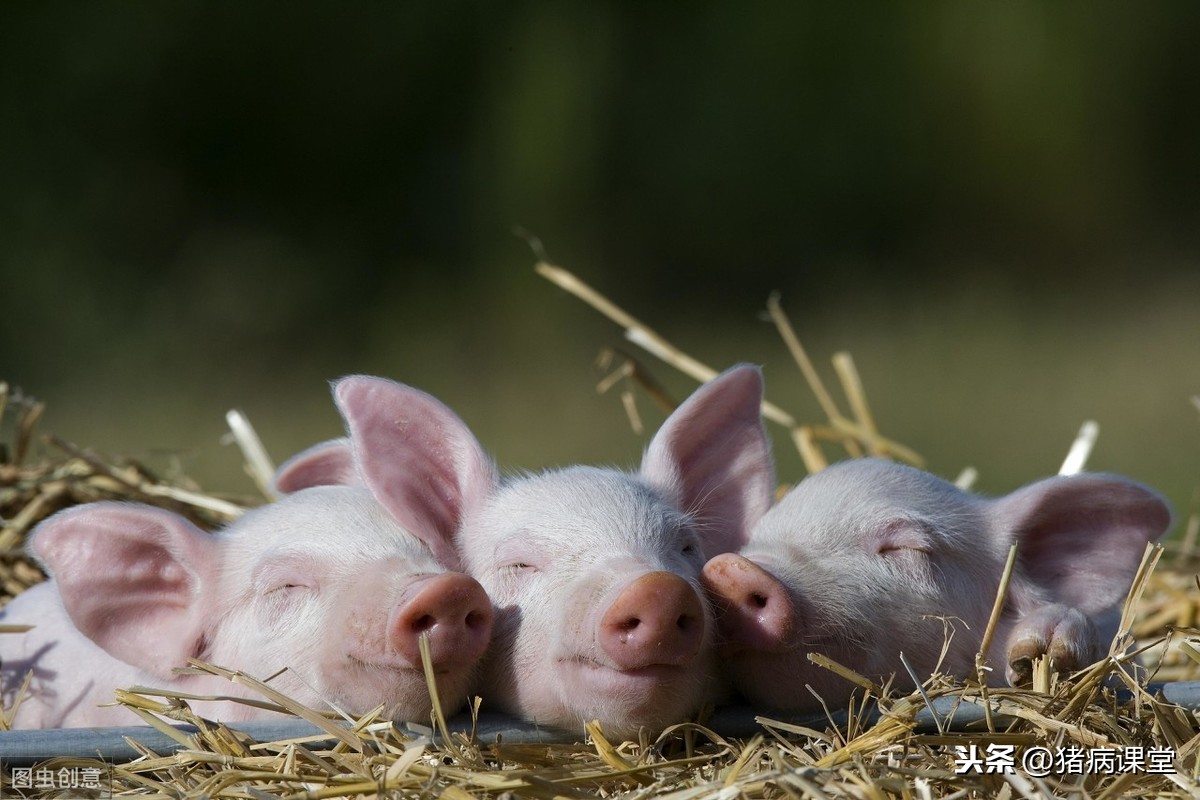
(994, 207)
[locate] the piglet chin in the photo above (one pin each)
(604, 681)
(398, 686)
(652, 696)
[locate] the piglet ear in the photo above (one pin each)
(417, 457)
(712, 456)
(1080, 538)
(326, 464)
(131, 578)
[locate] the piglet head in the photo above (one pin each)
(595, 572)
(329, 585)
(323, 583)
(869, 559)
(859, 562)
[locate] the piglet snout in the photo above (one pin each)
(754, 608)
(657, 620)
(455, 612)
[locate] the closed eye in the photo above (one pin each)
(518, 554)
(283, 587)
(900, 548)
(287, 571)
(902, 537)
(910, 557)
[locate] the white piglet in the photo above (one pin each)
(594, 572)
(869, 559)
(325, 583)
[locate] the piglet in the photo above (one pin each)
(594, 572)
(325, 583)
(869, 559)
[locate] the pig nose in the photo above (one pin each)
(454, 611)
(656, 620)
(754, 610)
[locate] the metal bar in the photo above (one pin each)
(27, 748)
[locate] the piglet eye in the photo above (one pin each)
(901, 548)
(288, 587)
(903, 538)
(518, 555)
(286, 580)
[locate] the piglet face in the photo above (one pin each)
(344, 612)
(599, 613)
(323, 584)
(869, 559)
(858, 563)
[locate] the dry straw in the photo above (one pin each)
(881, 745)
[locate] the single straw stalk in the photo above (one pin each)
(258, 464)
(1081, 449)
(815, 384)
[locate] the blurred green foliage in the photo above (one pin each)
(993, 206)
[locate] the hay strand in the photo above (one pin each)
(989, 632)
(800, 356)
(259, 466)
(1081, 448)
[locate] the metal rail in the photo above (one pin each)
(27, 748)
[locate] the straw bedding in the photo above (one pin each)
(1096, 723)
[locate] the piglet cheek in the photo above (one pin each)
(755, 611)
(365, 610)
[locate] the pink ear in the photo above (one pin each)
(712, 454)
(326, 464)
(131, 578)
(1081, 538)
(417, 457)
